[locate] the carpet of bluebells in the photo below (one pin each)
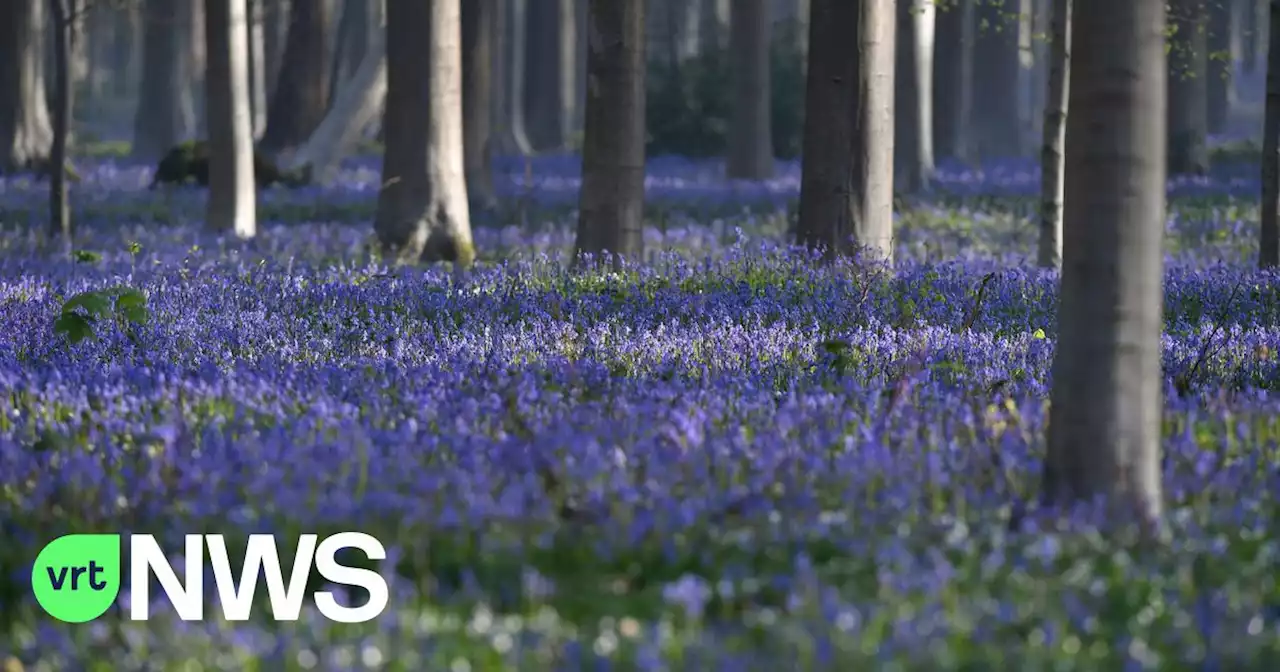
(726, 458)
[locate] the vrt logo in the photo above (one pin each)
(76, 578)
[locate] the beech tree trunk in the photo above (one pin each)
(257, 66)
(550, 92)
(64, 14)
(998, 130)
(611, 202)
(165, 114)
(301, 97)
(25, 129)
(913, 84)
(1220, 65)
(953, 79)
(477, 104)
(232, 191)
(1104, 434)
(1053, 153)
(509, 133)
(1269, 242)
(750, 155)
(422, 209)
(1188, 104)
(846, 184)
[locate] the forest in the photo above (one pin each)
(488, 335)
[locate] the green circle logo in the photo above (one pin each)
(76, 578)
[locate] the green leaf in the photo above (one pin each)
(130, 298)
(86, 256)
(75, 326)
(1038, 334)
(93, 303)
(135, 247)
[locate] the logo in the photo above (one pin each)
(76, 578)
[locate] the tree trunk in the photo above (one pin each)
(257, 66)
(358, 37)
(64, 13)
(477, 88)
(509, 133)
(611, 203)
(25, 129)
(232, 191)
(1220, 65)
(1249, 36)
(846, 183)
(996, 65)
(165, 114)
(750, 154)
(1187, 109)
(125, 39)
(549, 94)
(913, 84)
(1052, 155)
(356, 106)
(301, 97)
(712, 25)
(953, 81)
(193, 13)
(275, 28)
(1104, 436)
(422, 208)
(1269, 254)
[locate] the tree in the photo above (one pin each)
(846, 183)
(551, 92)
(302, 91)
(750, 154)
(477, 101)
(1188, 107)
(165, 113)
(257, 66)
(913, 84)
(65, 17)
(24, 114)
(1104, 435)
(997, 130)
(1053, 154)
(1221, 58)
(422, 208)
(953, 78)
(232, 195)
(611, 202)
(509, 133)
(1269, 254)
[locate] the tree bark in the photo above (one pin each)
(477, 104)
(846, 184)
(25, 129)
(953, 80)
(193, 15)
(510, 133)
(1220, 65)
(750, 154)
(64, 14)
(996, 69)
(913, 84)
(301, 97)
(1269, 236)
(165, 114)
(611, 202)
(232, 191)
(1104, 436)
(422, 209)
(1187, 109)
(257, 66)
(549, 95)
(356, 106)
(1052, 155)
(275, 30)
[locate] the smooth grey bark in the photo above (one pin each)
(750, 155)
(611, 201)
(301, 97)
(165, 113)
(232, 196)
(257, 66)
(997, 129)
(549, 96)
(64, 14)
(953, 79)
(1220, 65)
(1104, 435)
(1187, 109)
(913, 92)
(356, 106)
(193, 15)
(422, 211)
(846, 184)
(477, 104)
(1052, 154)
(510, 134)
(25, 128)
(1269, 235)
